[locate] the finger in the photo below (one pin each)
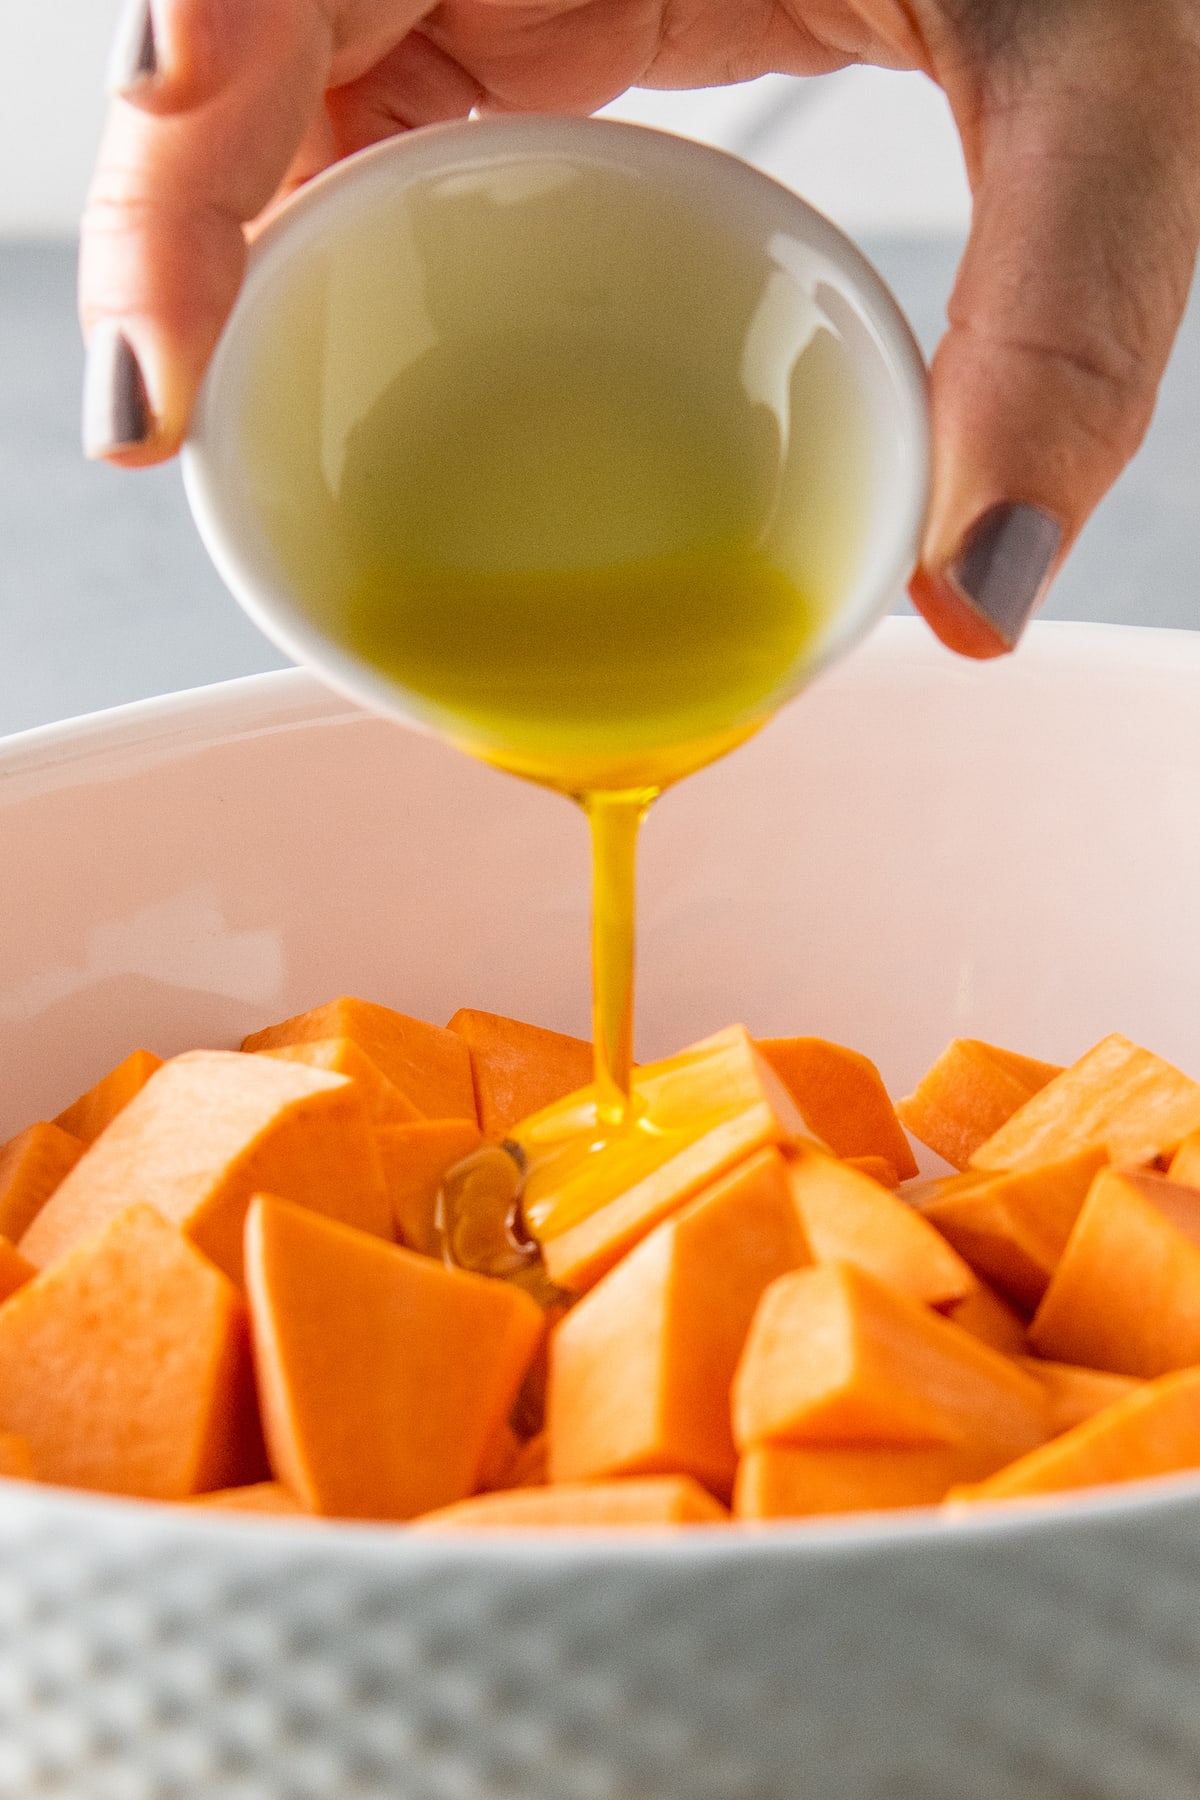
(1083, 243)
(562, 56)
(168, 55)
(163, 247)
(416, 83)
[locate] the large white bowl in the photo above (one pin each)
(918, 848)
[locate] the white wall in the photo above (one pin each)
(876, 151)
(51, 103)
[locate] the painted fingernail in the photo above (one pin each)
(133, 59)
(1004, 564)
(116, 407)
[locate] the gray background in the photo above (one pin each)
(106, 594)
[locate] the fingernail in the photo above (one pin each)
(116, 408)
(133, 59)
(1003, 565)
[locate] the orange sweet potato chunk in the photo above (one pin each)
(415, 1157)
(848, 1218)
(967, 1094)
(208, 1130)
(704, 1111)
(652, 1500)
(792, 1481)
(877, 1167)
(1012, 1227)
(126, 1366)
(513, 1461)
(641, 1367)
(31, 1166)
(16, 1458)
(1126, 1294)
(984, 1315)
(499, 1458)
(384, 1103)
(430, 1066)
(518, 1069)
(15, 1271)
(530, 1466)
(843, 1100)
(1119, 1098)
(257, 1497)
(1185, 1164)
(1077, 1394)
(1153, 1431)
(383, 1377)
(835, 1356)
(88, 1116)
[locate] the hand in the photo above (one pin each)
(1080, 122)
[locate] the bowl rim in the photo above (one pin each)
(181, 723)
(154, 1524)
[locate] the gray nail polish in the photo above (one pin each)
(116, 408)
(1004, 563)
(133, 59)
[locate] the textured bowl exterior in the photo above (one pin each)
(142, 1658)
(918, 848)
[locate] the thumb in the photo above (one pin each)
(1084, 151)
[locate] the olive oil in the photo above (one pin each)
(574, 586)
(577, 481)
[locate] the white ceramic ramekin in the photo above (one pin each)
(800, 274)
(920, 847)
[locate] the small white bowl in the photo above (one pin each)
(921, 847)
(793, 273)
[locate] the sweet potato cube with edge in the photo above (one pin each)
(841, 1094)
(429, 1065)
(384, 1103)
(704, 1111)
(14, 1270)
(984, 1315)
(1185, 1164)
(792, 1481)
(518, 1069)
(31, 1166)
(641, 1367)
(1126, 1294)
(877, 1167)
(1077, 1394)
(88, 1116)
(415, 1157)
(1012, 1227)
(850, 1218)
(258, 1497)
(499, 1458)
(207, 1131)
(1118, 1097)
(383, 1377)
(126, 1366)
(1153, 1431)
(967, 1094)
(654, 1500)
(16, 1458)
(834, 1356)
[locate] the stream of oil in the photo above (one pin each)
(587, 545)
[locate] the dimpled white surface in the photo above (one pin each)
(151, 1660)
(917, 848)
